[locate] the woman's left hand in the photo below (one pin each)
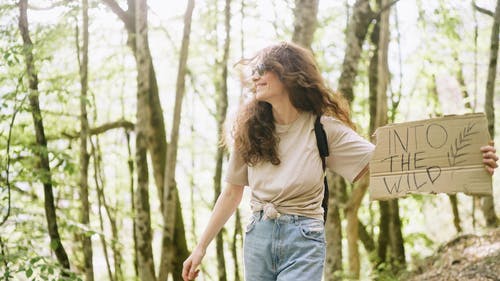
(489, 158)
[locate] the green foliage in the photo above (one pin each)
(20, 260)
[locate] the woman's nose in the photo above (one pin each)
(255, 77)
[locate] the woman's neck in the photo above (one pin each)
(285, 113)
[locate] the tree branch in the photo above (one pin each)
(102, 129)
(483, 10)
(121, 13)
(113, 125)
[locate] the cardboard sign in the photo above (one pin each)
(430, 156)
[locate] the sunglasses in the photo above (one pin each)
(260, 69)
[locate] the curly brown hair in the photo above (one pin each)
(254, 132)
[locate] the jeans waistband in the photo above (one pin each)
(286, 218)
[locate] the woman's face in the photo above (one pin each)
(268, 86)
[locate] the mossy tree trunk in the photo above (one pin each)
(42, 150)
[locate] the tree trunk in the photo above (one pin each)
(333, 229)
(305, 13)
(383, 236)
(396, 237)
(366, 239)
(172, 214)
(456, 215)
(142, 218)
(130, 164)
(41, 141)
(84, 155)
(237, 236)
(488, 205)
(220, 116)
(461, 82)
(356, 31)
(352, 225)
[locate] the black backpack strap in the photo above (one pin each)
(322, 143)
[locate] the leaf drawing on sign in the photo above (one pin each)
(461, 142)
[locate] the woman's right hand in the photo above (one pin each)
(190, 266)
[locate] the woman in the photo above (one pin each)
(276, 155)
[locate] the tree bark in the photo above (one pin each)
(383, 236)
(46, 178)
(84, 155)
(396, 237)
(356, 32)
(456, 214)
(237, 236)
(305, 13)
(488, 205)
(333, 229)
(142, 218)
(366, 239)
(172, 212)
(461, 82)
(352, 225)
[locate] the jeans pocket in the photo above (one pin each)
(313, 230)
(250, 225)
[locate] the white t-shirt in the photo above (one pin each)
(295, 186)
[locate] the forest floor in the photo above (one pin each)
(467, 257)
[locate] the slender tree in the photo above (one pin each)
(142, 217)
(220, 118)
(488, 205)
(171, 257)
(84, 155)
(42, 153)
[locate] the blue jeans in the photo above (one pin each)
(287, 248)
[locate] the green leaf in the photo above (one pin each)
(29, 272)
(35, 260)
